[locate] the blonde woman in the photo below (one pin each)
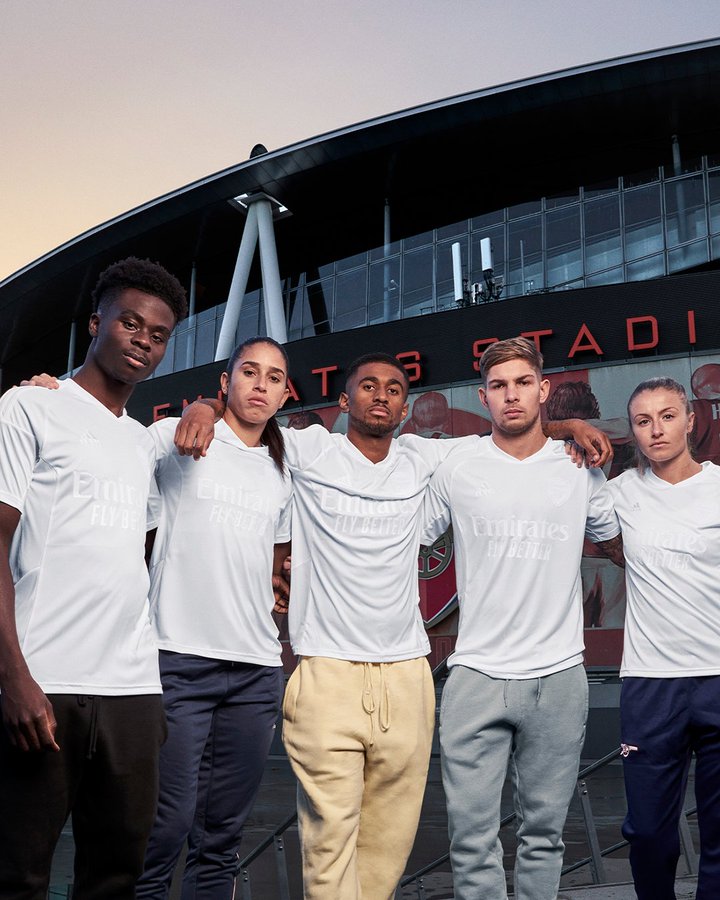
(669, 509)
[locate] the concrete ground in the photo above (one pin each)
(277, 799)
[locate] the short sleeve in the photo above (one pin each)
(436, 517)
(19, 448)
(602, 522)
(283, 531)
(154, 507)
(303, 446)
(433, 451)
(162, 433)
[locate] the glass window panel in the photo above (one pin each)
(525, 262)
(652, 267)
(688, 256)
(351, 262)
(600, 188)
(324, 271)
(603, 243)
(563, 199)
(456, 230)
(647, 176)
(568, 285)
(384, 291)
(497, 244)
(715, 247)
(417, 240)
(685, 210)
(417, 284)
(524, 209)
(714, 201)
(319, 300)
(643, 228)
(379, 252)
(687, 166)
(299, 311)
(183, 349)
(486, 219)
(168, 361)
(350, 300)
(250, 317)
(443, 259)
(204, 342)
(612, 276)
(564, 257)
(445, 294)
(219, 313)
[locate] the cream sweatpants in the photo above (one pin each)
(358, 736)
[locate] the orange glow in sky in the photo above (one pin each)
(106, 105)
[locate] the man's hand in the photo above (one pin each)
(281, 592)
(281, 578)
(595, 443)
(43, 380)
(28, 715)
(196, 428)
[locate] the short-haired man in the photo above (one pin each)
(359, 710)
(79, 680)
(517, 690)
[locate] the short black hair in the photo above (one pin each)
(377, 358)
(143, 275)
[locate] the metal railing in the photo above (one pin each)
(595, 859)
(597, 855)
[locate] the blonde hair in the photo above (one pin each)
(512, 348)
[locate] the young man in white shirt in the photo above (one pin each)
(517, 691)
(79, 680)
(359, 709)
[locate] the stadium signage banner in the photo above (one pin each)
(573, 329)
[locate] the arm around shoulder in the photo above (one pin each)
(196, 428)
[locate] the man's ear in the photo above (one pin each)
(343, 402)
(544, 389)
(483, 397)
(224, 382)
(93, 324)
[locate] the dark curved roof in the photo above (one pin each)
(436, 163)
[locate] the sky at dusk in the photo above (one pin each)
(107, 104)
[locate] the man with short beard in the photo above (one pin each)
(359, 710)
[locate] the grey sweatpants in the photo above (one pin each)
(537, 726)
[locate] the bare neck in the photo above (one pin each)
(521, 446)
(111, 393)
(249, 433)
(373, 447)
(676, 470)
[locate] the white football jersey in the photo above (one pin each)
(356, 537)
(80, 476)
(671, 536)
(518, 529)
(211, 569)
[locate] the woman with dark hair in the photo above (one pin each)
(211, 601)
(669, 509)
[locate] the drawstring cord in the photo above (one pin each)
(368, 698)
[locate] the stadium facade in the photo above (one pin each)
(581, 208)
